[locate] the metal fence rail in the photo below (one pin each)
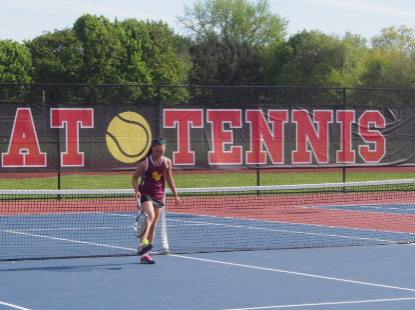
(215, 95)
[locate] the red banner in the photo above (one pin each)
(114, 137)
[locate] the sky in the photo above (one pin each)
(25, 19)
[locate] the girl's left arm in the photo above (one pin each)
(170, 181)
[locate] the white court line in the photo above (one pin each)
(297, 273)
(52, 214)
(76, 241)
(88, 228)
(255, 220)
(72, 228)
(327, 303)
(282, 230)
(290, 223)
(117, 214)
(193, 222)
(267, 229)
(13, 306)
(341, 207)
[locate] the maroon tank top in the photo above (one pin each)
(153, 179)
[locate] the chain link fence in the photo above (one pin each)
(205, 178)
(215, 95)
(80, 94)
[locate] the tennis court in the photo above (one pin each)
(301, 238)
(370, 277)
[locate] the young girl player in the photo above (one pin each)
(154, 170)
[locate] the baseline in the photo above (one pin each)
(326, 303)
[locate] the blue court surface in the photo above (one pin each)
(325, 273)
(356, 277)
(64, 235)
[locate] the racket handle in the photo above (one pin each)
(138, 202)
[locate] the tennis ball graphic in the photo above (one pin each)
(128, 137)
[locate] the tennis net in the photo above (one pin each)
(40, 224)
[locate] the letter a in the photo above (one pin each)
(24, 150)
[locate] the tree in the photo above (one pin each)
(56, 57)
(102, 50)
(402, 38)
(391, 69)
(224, 62)
(312, 58)
(237, 20)
(229, 36)
(87, 53)
(136, 42)
(390, 62)
(98, 51)
(15, 62)
(182, 45)
(164, 65)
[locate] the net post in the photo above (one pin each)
(258, 182)
(164, 239)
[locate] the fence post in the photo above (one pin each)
(158, 98)
(160, 111)
(57, 94)
(344, 107)
(258, 182)
(59, 160)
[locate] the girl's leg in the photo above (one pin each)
(148, 208)
(153, 218)
(152, 227)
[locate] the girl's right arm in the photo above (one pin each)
(137, 173)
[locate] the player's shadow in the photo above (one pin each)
(106, 267)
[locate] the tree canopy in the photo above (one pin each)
(392, 38)
(96, 50)
(237, 20)
(227, 42)
(312, 58)
(15, 63)
(228, 39)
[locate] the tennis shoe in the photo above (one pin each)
(146, 259)
(144, 248)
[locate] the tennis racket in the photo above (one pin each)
(141, 221)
